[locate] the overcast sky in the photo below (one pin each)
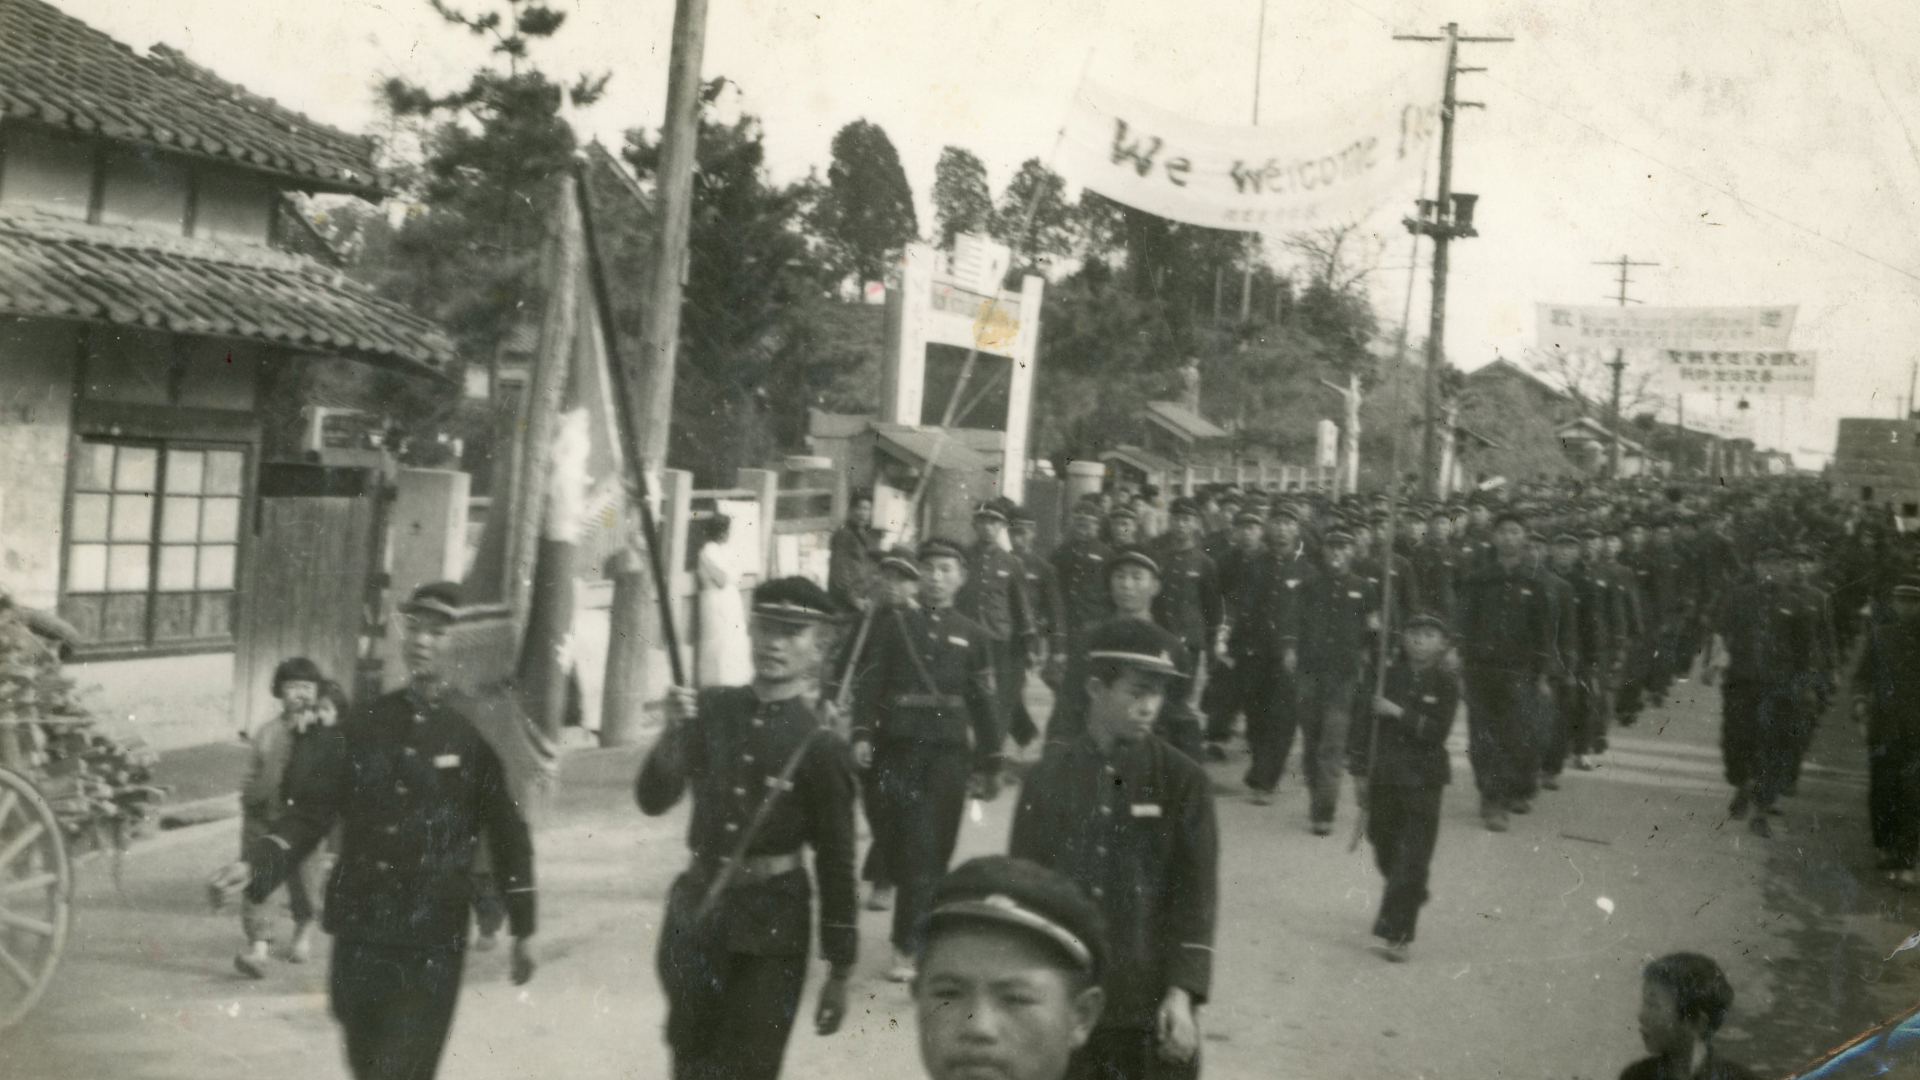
(1760, 153)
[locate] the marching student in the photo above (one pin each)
(1130, 819)
(1400, 773)
(768, 777)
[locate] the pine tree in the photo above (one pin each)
(962, 202)
(866, 217)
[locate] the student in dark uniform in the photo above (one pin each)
(927, 727)
(899, 587)
(1270, 736)
(1189, 603)
(1599, 627)
(1009, 982)
(412, 793)
(1080, 568)
(1243, 681)
(1336, 614)
(1768, 631)
(1130, 820)
(1399, 777)
(995, 597)
(1123, 525)
(853, 552)
(1886, 703)
(1506, 641)
(1434, 565)
(1049, 616)
(1557, 708)
(1133, 580)
(732, 955)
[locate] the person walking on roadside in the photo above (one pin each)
(1886, 704)
(1768, 631)
(1337, 612)
(1506, 642)
(853, 553)
(927, 729)
(412, 793)
(289, 752)
(1129, 819)
(769, 775)
(1399, 776)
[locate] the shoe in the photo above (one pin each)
(1583, 763)
(1496, 820)
(486, 942)
(1260, 797)
(1776, 811)
(1519, 806)
(1737, 809)
(902, 970)
(1549, 782)
(253, 962)
(881, 898)
(1398, 952)
(1216, 752)
(302, 948)
(1323, 828)
(1761, 828)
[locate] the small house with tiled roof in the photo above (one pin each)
(154, 320)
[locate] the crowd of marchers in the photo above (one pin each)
(1542, 618)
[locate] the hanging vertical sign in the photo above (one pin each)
(1316, 169)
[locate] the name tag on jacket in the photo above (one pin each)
(446, 761)
(1146, 809)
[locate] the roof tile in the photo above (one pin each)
(121, 275)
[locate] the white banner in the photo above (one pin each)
(1748, 374)
(1563, 326)
(1300, 173)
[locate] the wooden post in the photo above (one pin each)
(636, 660)
(765, 485)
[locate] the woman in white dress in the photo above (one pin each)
(725, 658)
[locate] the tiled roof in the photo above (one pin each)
(56, 70)
(55, 268)
(1183, 421)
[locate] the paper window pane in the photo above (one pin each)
(133, 517)
(180, 519)
(93, 467)
(184, 468)
(172, 616)
(127, 568)
(216, 566)
(84, 613)
(177, 567)
(133, 468)
(213, 616)
(223, 473)
(87, 568)
(90, 517)
(125, 619)
(220, 519)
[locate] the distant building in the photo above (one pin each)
(1877, 463)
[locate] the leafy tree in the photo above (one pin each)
(866, 216)
(962, 202)
(1034, 218)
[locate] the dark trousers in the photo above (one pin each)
(395, 1004)
(1273, 711)
(1326, 709)
(1893, 800)
(922, 793)
(1120, 1053)
(1759, 738)
(1501, 711)
(1402, 825)
(1587, 732)
(1560, 717)
(1224, 698)
(738, 1031)
(1009, 686)
(874, 868)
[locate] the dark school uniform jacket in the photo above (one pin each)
(1333, 634)
(1043, 588)
(852, 562)
(1771, 632)
(1888, 677)
(1080, 569)
(1505, 620)
(1189, 602)
(731, 755)
(892, 701)
(995, 595)
(1245, 579)
(412, 791)
(1412, 749)
(1134, 827)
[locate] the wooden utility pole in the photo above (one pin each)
(1619, 366)
(1253, 239)
(635, 617)
(1445, 221)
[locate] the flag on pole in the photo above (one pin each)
(1320, 168)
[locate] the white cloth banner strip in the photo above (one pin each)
(1749, 374)
(1300, 173)
(1562, 326)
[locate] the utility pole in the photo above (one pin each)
(1447, 217)
(635, 615)
(1253, 239)
(1619, 364)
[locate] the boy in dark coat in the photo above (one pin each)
(1399, 765)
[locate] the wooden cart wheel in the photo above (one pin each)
(36, 894)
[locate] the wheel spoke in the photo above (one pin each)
(7, 802)
(21, 922)
(21, 843)
(14, 966)
(37, 881)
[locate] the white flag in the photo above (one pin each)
(1307, 171)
